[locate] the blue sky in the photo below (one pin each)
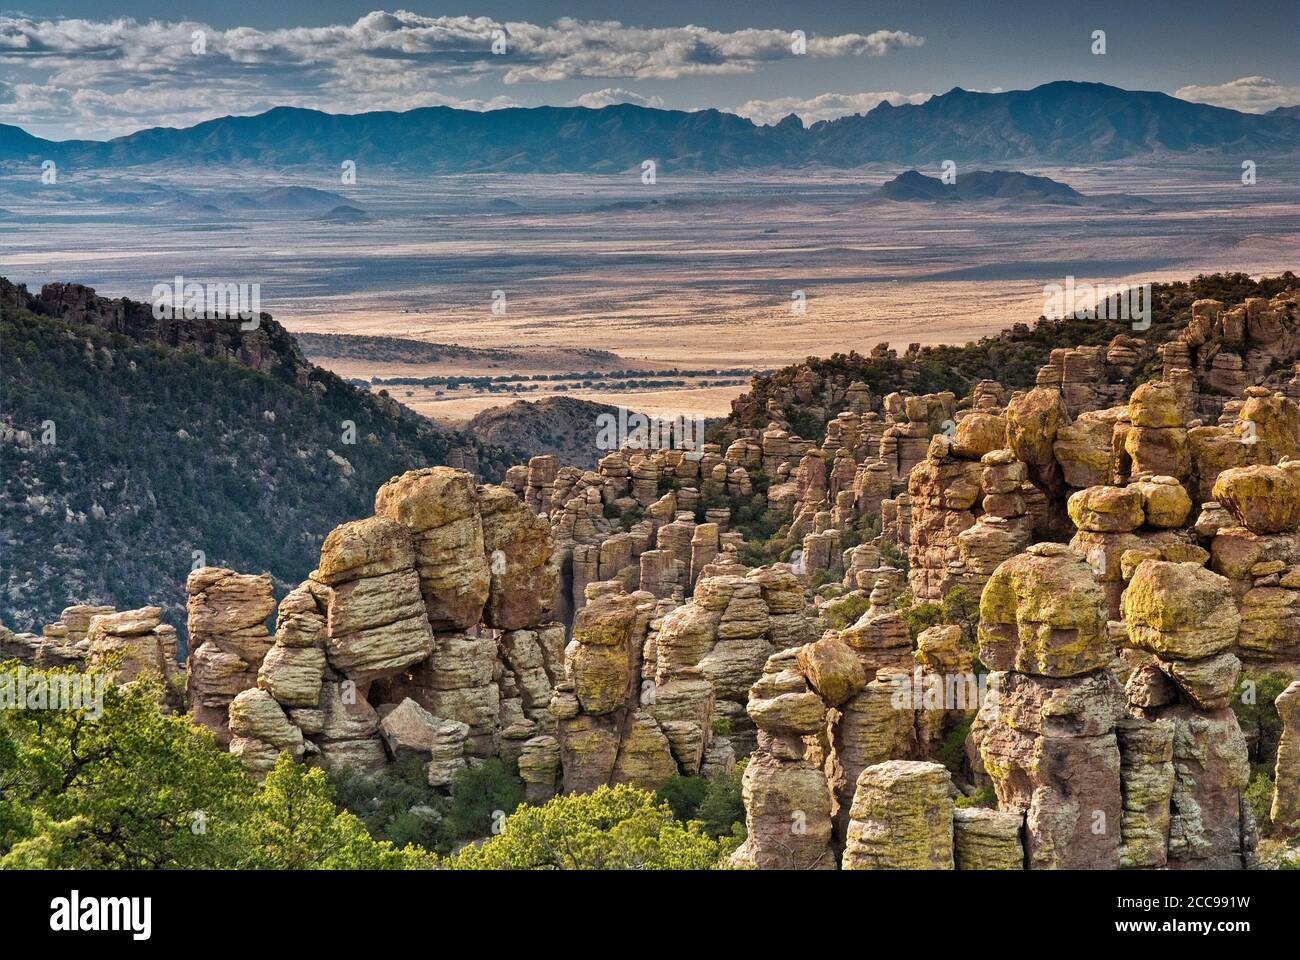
(108, 67)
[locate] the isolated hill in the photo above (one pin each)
(286, 198)
(979, 185)
(1063, 120)
(345, 213)
(169, 437)
(563, 426)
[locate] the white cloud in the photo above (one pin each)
(1251, 94)
(826, 106)
(612, 95)
(95, 77)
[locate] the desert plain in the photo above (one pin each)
(693, 281)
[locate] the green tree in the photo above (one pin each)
(615, 828)
(292, 824)
(131, 787)
(120, 784)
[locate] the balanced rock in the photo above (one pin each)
(1042, 612)
(832, 669)
(1180, 611)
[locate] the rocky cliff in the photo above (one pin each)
(135, 448)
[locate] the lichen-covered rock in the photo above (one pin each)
(300, 618)
(1043, 613)
(1285, 811)
(447, 751)
(1148, 685)
(645, 758)
(979, 433)
(440, 506)
(1208, 824)
(1107, 509)
(1155, 404)
(1083, 449)
(376, 622)
(868, 728)
(1146, 753)
(1165, 502)
(832, 669)
(901, 818)
(1033, 421)
(1209, 683)
(348, 734)
(365, 548)
(519, 547)
(684, 711)
(787, 816)
(719, 758)
(1263, 499)
(601, 676)
(293, 675)
(539, 766)
(456, 682)
(985, 839)
(230, 609)
(1180, 611)
(1086, 706)
(228, 639)
(135, 645)
(255, 715)
(408, 730)
(1270, 624)
(1068, 789)
(588, 751)
(781, 703)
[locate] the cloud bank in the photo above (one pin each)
(1249, 94)
(95, 78)
(826, 106)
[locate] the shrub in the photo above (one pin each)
(481, 794)
(983, 797)
(683, 795)
(398, 805)
(1259, 795)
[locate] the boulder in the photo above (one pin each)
(1262, 499)
(832, 669)
(1180, 611)
(1107, 509)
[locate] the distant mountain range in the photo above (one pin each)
(1064, 120)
